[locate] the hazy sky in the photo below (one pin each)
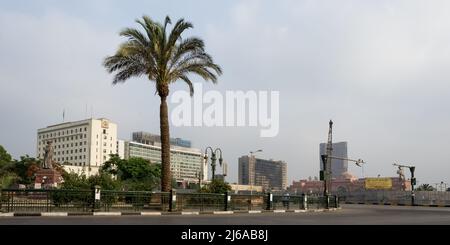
(379, 69)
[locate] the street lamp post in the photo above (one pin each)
(213, 159)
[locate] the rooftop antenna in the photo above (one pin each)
(64, 113)
(92, 111)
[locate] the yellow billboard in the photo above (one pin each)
(378, 183)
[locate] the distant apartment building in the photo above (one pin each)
(80, 146)
(152, 139)
(261, 172)
(338, 167)
(186, 162)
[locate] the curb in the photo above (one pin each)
(63, 214)
(400, 204)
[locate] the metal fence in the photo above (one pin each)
(248, 201)
(398, 197)
(200, 202)
(133, 201)
(288, 202)
(20, 200)
(81, 201)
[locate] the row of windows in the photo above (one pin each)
(77, 163)
(65, 139)
(50, 135)
(71, 151)
(105, 137)
(62, 159)
(59, 146)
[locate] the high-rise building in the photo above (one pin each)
(261, 172)
(154, 139)
(338, 167)
(81, 146)
(186, 162)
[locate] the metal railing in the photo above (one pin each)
(397, 197)
(200, 202)
(57, 200)
(12, 200)
(248, 201)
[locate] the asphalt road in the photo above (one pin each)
(348, 215)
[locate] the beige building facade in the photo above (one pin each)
(80, 146)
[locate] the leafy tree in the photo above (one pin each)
(5, 157)
(134, 173)
(163, 58)
(7, 179)
(425, 187)
(216, 186)
(74, 181)
(25, 169)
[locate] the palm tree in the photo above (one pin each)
(425, 187)
(163, 58)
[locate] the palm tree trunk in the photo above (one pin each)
(166, 179)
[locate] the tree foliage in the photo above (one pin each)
(216, 186)
(163, 57)
(425, 187)
(134, 173)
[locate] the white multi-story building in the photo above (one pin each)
(81, 146)
(185, 163)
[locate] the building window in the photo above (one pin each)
(67, 152)
(85, 129)
(97, 136)
(104, 144)
(71, 144)
(75, 150)
(71, 151)
(104, 151)
(104, 158)
(75, 130)
(71, 158)
(71, 131)
(84, 149)
(105, 137)
(75, 157)
(104, 131)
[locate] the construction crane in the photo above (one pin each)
(325, 175)
(413, 179)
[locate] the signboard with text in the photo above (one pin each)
(378, 183)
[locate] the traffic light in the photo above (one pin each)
(413, 181)
(322, 176)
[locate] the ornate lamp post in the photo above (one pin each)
(213, 159)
